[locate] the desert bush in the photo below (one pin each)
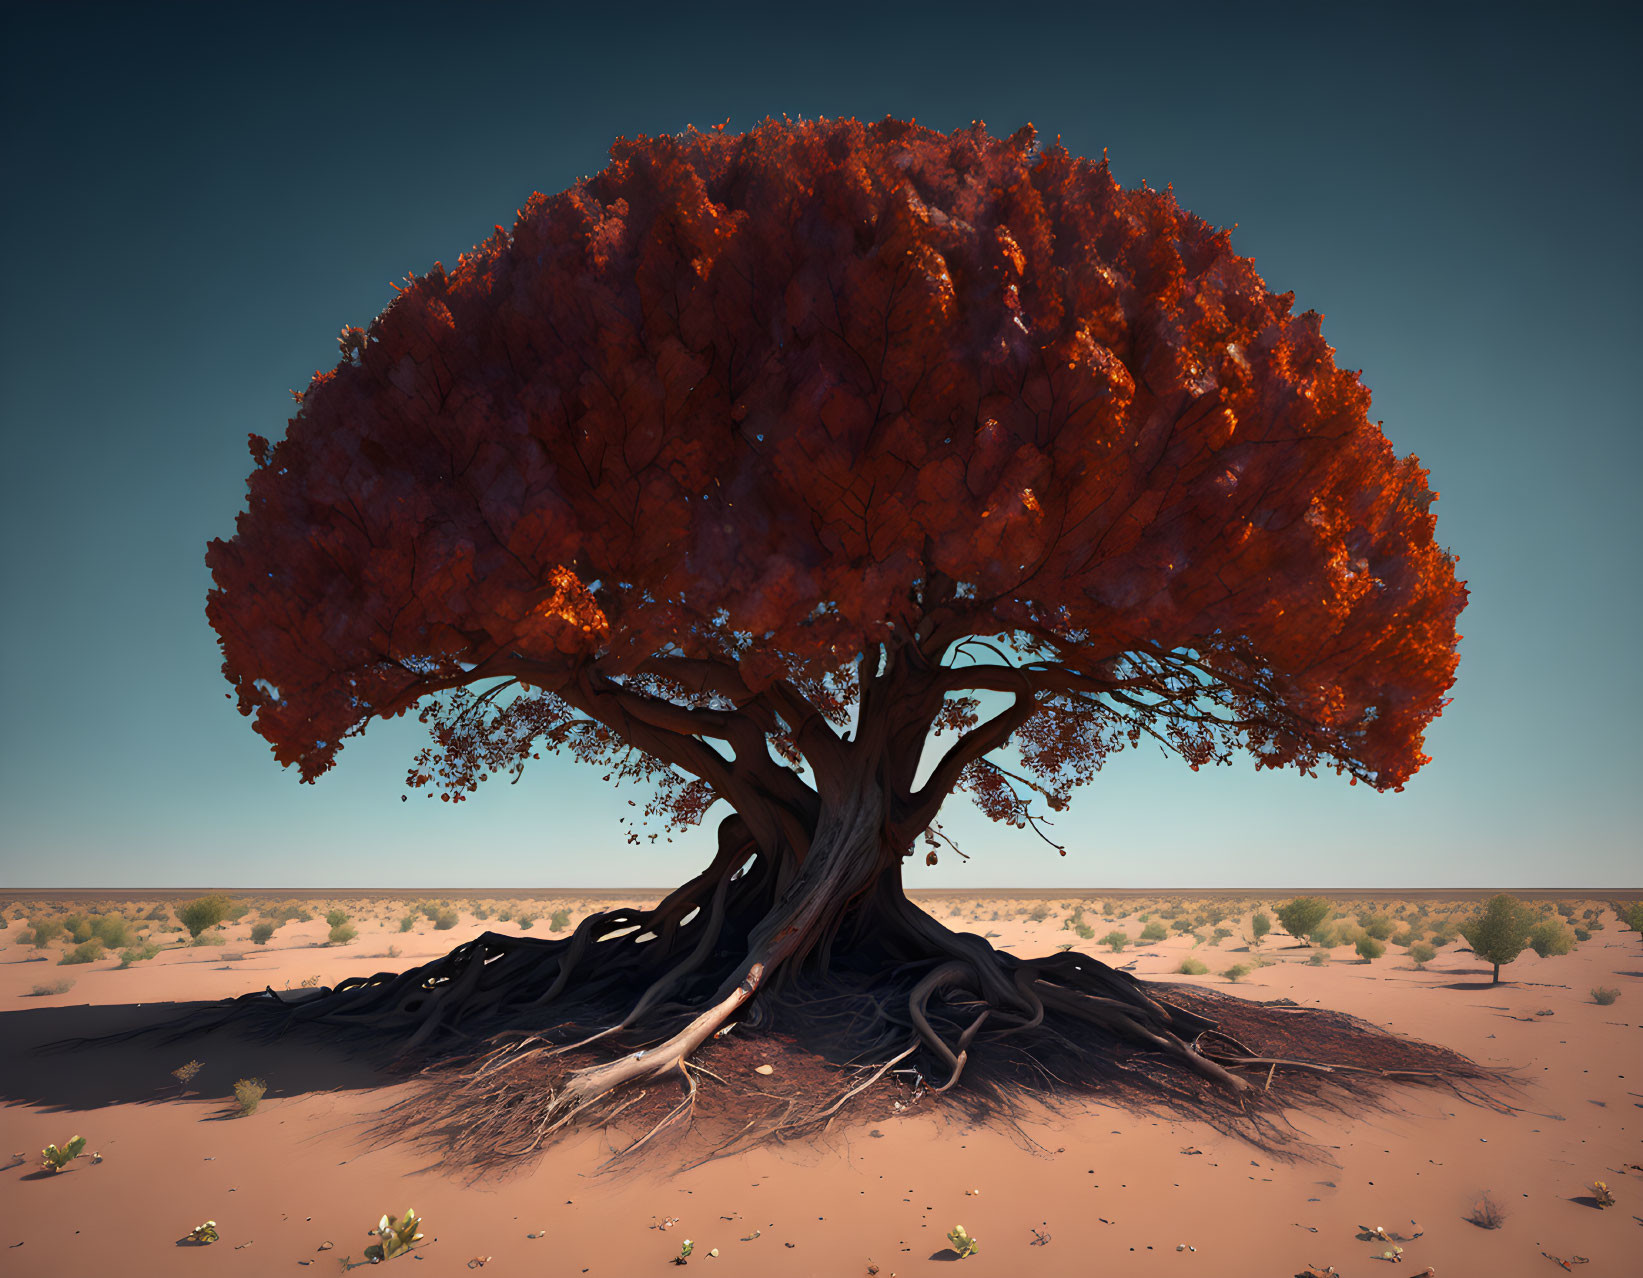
(25, 937)
(1550, 937)
(1500, 933)
(60, 986)
(407, 923)
(1324, 938)
(1220, 934)
(393, 951)
(341, 933)
(185, 1072)
(1192, 967)
(203, 912)
(1086, 932)
(248, 1094)
(159, 914)
(1260, 925)
(1153, 931)
(1376, 925)
(1143, 916)
(1404, 939)
(236, 911)
(504, 916)
(209, 938)
(1604, 995)
(261, 932)
(1422, 953)
(1318, 960)
(87, 952)
(114, 931)
(45, 931)
(1370, 948)
(1631, 915)
(1566, 909)
(1236, 972)
(1038, 914)
(525, 921)
(1581, 934)
(560, 919)
(446, 919)
(1181, 925)
(336, 918)
(1304, 915)
(138, 953)
(78, 927)
(1116, 940)
(1487, 1214)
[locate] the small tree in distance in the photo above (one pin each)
(1549, 938)
(1303, 916)
(1500, 933)
(203, 912)
(1260, 925)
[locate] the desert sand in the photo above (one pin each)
(295, 1186)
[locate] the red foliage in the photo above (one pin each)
(766, 400)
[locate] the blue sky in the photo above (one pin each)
(198, 197)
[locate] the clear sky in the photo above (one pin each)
(196, 198)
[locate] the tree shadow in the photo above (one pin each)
(1473, 985)
(1587, 1200)
(94, 1074)
(946, 1253)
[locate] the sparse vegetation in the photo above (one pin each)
(1422, 953)
(407, 923)
(1603, 995)
(1192, 967)
(1500, 933)
(261, 932)
(1153, 931)
(1550, 937)
(445, 920)
(1116, 940)
(60, 986)
(203, 912)
(560, 919)
(1236, 972)
(341, 933)
(248, 1094)
(1369, 948)
(1303, 916)
(89, 952)
(1487, 1214)
(185, 1072)
(1318, 960)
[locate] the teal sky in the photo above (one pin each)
(198, 197)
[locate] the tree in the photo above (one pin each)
(1259, 926)
(1500, 933)
(1632, 916)
(203, 912)
(729, 469)
(1303, 916)
(1370, 948)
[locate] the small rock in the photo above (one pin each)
(764, 1069)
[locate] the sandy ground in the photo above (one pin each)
(293, 1185)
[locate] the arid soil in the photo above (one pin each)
(295, 1184)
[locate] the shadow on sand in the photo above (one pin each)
(136, 1070)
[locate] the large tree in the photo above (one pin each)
(749, 466)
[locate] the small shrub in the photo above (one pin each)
(1370, 948)
(1404, 939)
(1323, 938)
(89, 952)
(1487, 1214)
(1550, 937)
(209, 938)
(1153, 931)
(137, 954)
(1236, 972)
(336, 918)
(407, 923)
(204, 1234)
(1038, 914)
(393, 951)
(45, 931)
(248, 1094)
(560, 919)
(1422, 953)
(1192, 967)
(342, 933)
(60, 986)
(1604, 995)
(159, 914)
(445, 920)
(1086, 932)
(261, 932)
(1376, 925)
(1581, 934)
(505, 916)
(185, 1072)
(1318, 960)
(401, 1235)
(203, 912)
(1220, 934)
(1116, 940)
(1260, 925)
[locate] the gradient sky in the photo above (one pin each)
(198, 197)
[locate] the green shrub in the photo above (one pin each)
(45, 931)
(138, 953)
(1605, 994)
(561, 918)
(445, 920)
(1181, 925)
(261, 932)
(1318, 960)
(1260, 925)
(1324, 938)
(1191, 967)
(1220, 934)
(159, 914)
(237, 910)
(1376, 925)
(1304, 915)
(1581, 934)
(1115, 940)
(341, 933)
(407, 923)
(1422, 953)
(61, 986)
(1153, 931)
(1550, 937)
(248, 1094)
(1566, 909)
(1370, 947)
(54, 1158)
(89, 952)
(210, 938)
(1404, 939)
(203, 912)
(336, 918)
(1086, 932)
(1236, 972)
(505, 916)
